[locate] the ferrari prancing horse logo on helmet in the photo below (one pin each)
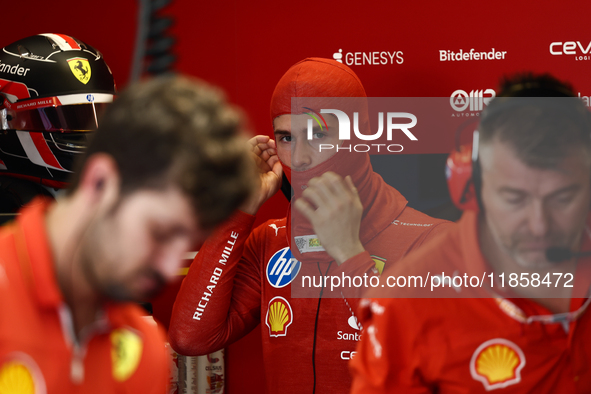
(80, 68)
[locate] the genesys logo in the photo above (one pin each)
(395, 121)
(579, 50)
(376, 58)
(474, 101)
(461, 55)
(282, 268)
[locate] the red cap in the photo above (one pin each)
(314, 77)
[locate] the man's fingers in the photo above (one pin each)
(259, 139)
(275, 165)
(260, 148)
(268, 153)
(264, 153)
(305, 208)
(351, 185)
(330, 185)
(262, 144)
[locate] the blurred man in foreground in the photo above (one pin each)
(165, 166)
(507, 308)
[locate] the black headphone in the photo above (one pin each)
(465, 177)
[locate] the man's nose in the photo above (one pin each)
(538, 219)
(301, 154)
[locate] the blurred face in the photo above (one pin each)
(130, 253)
(293, 147)
(528, 210)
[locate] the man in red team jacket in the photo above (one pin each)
(165, 166)
(525, 328)
(346, 220)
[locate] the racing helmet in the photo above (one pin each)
(53, 89)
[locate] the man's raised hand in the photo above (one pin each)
(264, 153)
(334, 208)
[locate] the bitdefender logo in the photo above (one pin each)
(581, 51)
(345, 130)
(376, 58)
(461, 55)
(474, 101)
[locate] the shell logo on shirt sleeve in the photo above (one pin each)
(21, 375)
(15, 378)
(126, 352)
(282, 268)
(80, 68)
(497, 363)
(279, 316)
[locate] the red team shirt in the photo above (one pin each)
(242, 277)
(470, 345)
(121, 352)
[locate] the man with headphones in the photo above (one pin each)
(505, 306)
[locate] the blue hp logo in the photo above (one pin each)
(282, 268)
(90, 97)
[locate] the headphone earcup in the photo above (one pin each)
(477, 182)
(462, 187)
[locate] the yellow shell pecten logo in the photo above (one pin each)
(279, 317)
(497, 363)
(15, 378)
(126, 352)
(80, 68)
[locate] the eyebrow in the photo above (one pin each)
(570, 188)
(315, 129)
(281, 132)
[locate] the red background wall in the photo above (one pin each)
(245, 47)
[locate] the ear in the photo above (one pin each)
(99, 182)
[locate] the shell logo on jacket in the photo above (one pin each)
(497, 363)
(279, 316)
(19, 374)
(16, 378)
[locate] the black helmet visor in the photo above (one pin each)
(71, 113)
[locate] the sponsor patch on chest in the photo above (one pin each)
(282, 268)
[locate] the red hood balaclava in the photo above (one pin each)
(317, 77)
